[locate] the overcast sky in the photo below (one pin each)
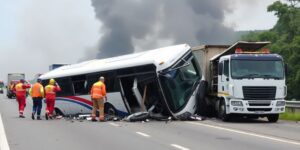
(37, 33)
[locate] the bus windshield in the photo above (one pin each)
(257, 69)
(179, 83)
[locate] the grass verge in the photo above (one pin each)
(290, 116)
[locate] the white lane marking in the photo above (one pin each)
(142, 134)
(114, 124)
(3, 140)
(179, 147)
(249, 133)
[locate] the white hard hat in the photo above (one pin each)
(101, 78)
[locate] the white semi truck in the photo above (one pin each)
(243, 79)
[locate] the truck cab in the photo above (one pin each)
(252, 84)
(244, 79)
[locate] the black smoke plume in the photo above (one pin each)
(136, 25)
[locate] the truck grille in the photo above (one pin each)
(259, 92)
(259, 109)
(259, 103)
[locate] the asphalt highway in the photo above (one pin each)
(28, 134)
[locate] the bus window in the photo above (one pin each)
(111, 82)
(66, 87)
(80, 85)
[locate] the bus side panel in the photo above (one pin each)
(71, 105)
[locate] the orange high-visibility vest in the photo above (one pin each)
(98, 90)
(37, 90)
(50, 91)
(20, 91)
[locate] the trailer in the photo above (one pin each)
(243, 79)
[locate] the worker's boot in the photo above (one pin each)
(32, 116)
(38, 118)
(94, 119)
(21, 115)
(101, 119)
(46, 116)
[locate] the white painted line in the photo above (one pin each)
(142, 134)
(3, 140)
(248, 133)
(114, 124)
(179, 147)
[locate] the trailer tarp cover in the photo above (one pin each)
(245, 46)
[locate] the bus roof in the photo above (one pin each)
(162, 58)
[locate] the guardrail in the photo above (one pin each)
(293, 105)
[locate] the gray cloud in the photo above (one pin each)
(135, 25)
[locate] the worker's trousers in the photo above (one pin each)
(22, 103)
(37, 105)
(50, 106)
(98, 104)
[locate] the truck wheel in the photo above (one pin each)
(273, 117)
(222, 111)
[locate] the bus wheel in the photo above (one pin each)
(222, 111)
(109, 109)
(58, 112)
(273, 117)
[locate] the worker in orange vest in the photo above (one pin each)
(37, 94)
(98, 93)
(21, 96)
(50, 94)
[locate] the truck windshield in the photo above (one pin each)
(257, 69)
(179, 83)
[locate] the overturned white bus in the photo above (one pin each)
(164, 81)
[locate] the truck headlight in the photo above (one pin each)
(280, 103)
(236, 103)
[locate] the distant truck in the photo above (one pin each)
(55, 66)
(241, 80)
(12, 80)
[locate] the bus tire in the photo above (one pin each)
(273, 118)
(201, 94)
(222, 111)
(109, 109)
(58, 112)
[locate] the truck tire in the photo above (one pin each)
(222, 111)
(201, 94)
(273, 118)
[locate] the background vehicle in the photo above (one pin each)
(55, 66)
(242, 80)
(1, 87)
(12, 79)
(162, 81)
